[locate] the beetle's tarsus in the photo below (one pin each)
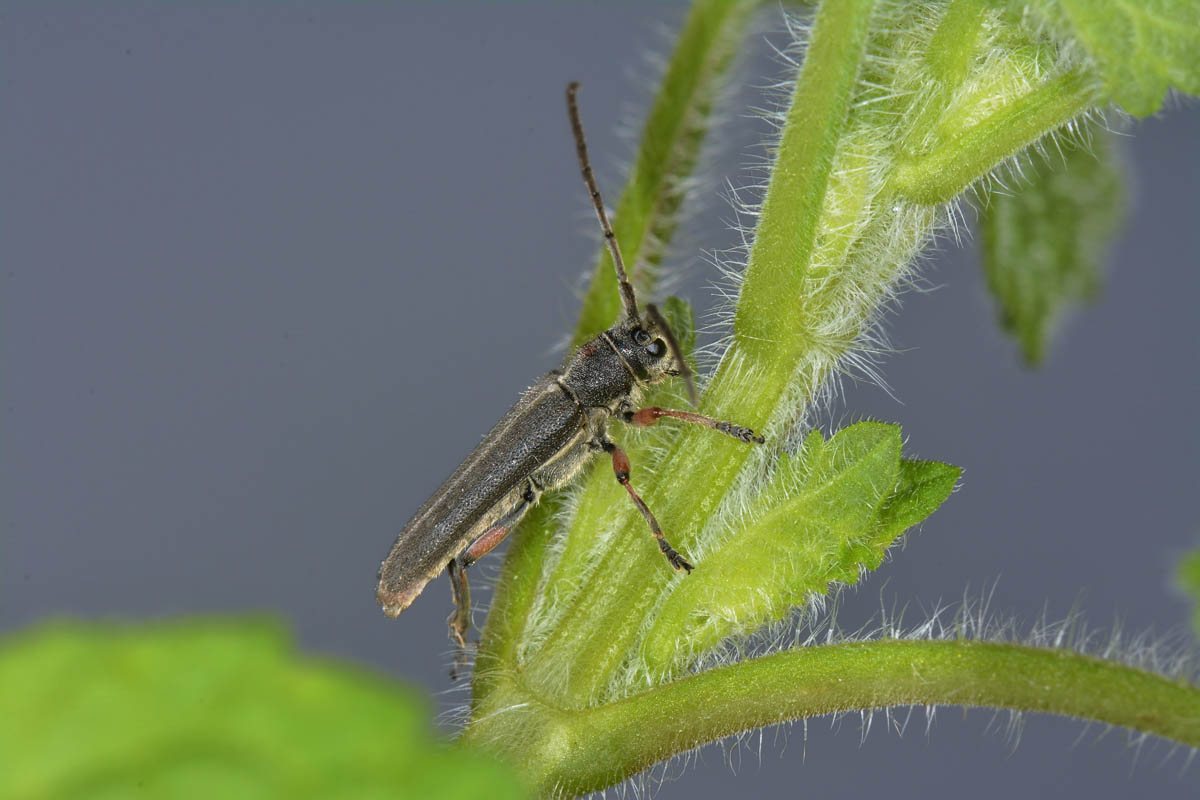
(677, 561)
(462, 646)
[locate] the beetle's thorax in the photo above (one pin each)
(610, 367)
(598, 375)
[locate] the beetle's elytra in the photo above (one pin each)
(544, 440)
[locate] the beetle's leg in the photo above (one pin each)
(460, 588)
(620, 463)
(460, 619)
(652, 414)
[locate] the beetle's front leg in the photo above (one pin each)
(620, 462)
(651, 414)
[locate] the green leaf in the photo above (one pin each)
(1140, 47)
(1187, 575)
(828, 512)
(923, 486)
(213, 709)
(1044, 247)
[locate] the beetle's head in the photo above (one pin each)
(646, 343)
(650, 348)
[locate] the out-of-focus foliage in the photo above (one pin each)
(213, 710)
(1044, 244)
(1188, 578)
(1141, 47)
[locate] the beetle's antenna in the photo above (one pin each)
(685, 371)
(610, 238)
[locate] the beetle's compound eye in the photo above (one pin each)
(656, 349)
(640, 337)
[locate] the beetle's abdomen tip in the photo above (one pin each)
(392, 602)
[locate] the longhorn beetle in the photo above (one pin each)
(544, 440)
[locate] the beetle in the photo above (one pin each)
(544, 440)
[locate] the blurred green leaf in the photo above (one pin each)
(1141, 47)
(1188, 577)
(1044, 247)
(213, 709)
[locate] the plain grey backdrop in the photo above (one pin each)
(270, 270)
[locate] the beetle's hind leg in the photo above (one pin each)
(460, 587)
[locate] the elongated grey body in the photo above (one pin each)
(544, 440)
(540, 444)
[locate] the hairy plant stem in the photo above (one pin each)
(767, 345)
(939, 176)
(567, 752)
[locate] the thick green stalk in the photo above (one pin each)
(767, 346)
(574, 752)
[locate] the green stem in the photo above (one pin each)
(947, 63)
(939, 176)
(769, 343)
(584, 751)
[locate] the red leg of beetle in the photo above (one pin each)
(483, 545)
(652, 414)
(621, 468)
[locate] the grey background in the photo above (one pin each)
(269, 272)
